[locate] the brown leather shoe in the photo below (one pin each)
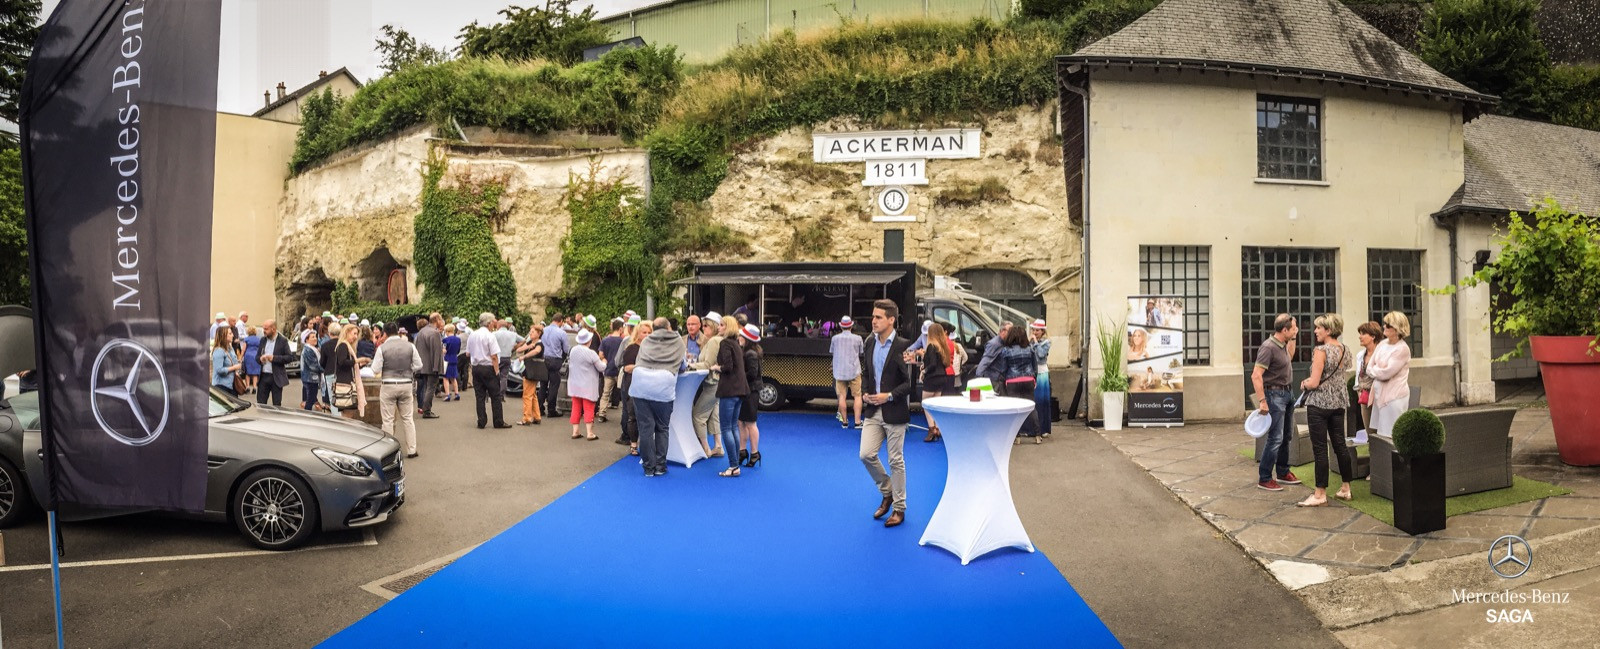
(883, 508)
(895, 519)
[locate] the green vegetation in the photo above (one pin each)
(456, 258)
(550, 33)
(1493, 46)
(1550, 265)
(13, 234)
(400, 50)
(607, 260)
(810, 239)
(1418, 432)
(19, 26)
(701, 236)
(1114, 373)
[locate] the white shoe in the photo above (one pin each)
(1360, 438)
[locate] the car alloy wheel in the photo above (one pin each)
(14, 499)
(8, 493)
(275, 510)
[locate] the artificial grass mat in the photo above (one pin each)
(1361, 499)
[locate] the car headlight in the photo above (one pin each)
(344, 462)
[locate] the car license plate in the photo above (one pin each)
(399, 487)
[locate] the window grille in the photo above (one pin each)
(1394, 283)
(1184, 271)
(1288, 138)
(1298, 281)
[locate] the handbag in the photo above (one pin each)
(535, 369)
(344, 395)
(1364, 397)
(239, 384)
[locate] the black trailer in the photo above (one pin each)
(798, 307)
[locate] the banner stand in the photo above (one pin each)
(55, 578)
(1155, 361)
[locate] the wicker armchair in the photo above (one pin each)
(1477, 451)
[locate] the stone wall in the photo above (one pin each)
(794, 210)
(339, 216)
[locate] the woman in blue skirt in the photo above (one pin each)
(252, 359)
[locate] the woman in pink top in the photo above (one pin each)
(1390, 367)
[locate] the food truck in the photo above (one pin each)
(798, 307)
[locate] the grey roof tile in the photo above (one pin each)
(1513, 163)
(1321, 35)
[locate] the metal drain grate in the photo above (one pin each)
(405, 583)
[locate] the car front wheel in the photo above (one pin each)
(15, 503)
(769, 396)
(275, 510)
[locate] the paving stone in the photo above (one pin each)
(1195, 500)
(1241, 507)
(1552, 526)
(1136, 449)
(1443, 548)
(1369, 525)
(1479, 526)
(1277, 539)
(1197, 466)
(1329, 517)
(1209, 485)
(1230, 524)
(1169, 478)
(1150, 463)
(1362, 549)
(1519, 509)
(1570, 507)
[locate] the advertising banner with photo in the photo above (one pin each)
(119, 115)
(1155, 360)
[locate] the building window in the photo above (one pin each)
(1394, 283)
(1183, 271)
(1288, 138)
(1298, 281)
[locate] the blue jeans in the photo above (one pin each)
(654, 418)
(1277, 448)
(309, 392)
(728, 416)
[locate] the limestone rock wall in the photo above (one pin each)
(783, 202)
(352, 219)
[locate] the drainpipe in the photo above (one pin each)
(1455, 299)
(1083, 295)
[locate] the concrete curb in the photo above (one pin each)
(1363, 599)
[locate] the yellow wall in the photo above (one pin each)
(1173, 162)
(290, 112)
(252, 162)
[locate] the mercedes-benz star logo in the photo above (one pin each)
(115, 381)
(1507, 563)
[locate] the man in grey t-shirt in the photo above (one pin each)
(1272, 377)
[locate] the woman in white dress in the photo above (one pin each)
(1390, 367)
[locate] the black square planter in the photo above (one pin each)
(1418, 493)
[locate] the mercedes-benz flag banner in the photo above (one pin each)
(1155, 360)
(119, 152)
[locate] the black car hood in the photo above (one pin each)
(315, 429)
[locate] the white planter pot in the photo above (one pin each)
(1111, 406)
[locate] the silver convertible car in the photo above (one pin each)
(280, 475)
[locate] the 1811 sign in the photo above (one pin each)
(882, 173)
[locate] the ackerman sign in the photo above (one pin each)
(950, 143)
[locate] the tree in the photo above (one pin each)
(19, 26)
(13, 233)
(552, 33)
(401, 50)
(1493, 47)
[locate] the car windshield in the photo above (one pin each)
(26, 407)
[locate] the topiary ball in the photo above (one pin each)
(1418, 432)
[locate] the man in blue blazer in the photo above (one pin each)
(886, 382)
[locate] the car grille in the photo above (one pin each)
(392, 468)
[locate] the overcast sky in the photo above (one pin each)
(265, 42)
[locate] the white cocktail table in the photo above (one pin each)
(976, 515)
(683, 446)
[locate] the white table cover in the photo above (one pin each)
(683, 446)
(976, 515)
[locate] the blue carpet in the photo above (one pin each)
(787, 555)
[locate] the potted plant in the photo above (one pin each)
(1113, 384)
(1549, 267)
(1418, 466)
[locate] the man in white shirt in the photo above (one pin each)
(847, 348)
(484, 352)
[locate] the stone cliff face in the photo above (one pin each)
(351, 219)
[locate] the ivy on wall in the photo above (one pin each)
(456, 258)
(607, 259)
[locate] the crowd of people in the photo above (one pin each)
(1382, 389)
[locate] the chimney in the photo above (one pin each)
(322, 73)
(280, 90)
(266, 95)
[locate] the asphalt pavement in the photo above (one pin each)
(1156, 574)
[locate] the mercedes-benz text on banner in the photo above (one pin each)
(119, 151)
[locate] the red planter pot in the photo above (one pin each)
(1572, 385)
